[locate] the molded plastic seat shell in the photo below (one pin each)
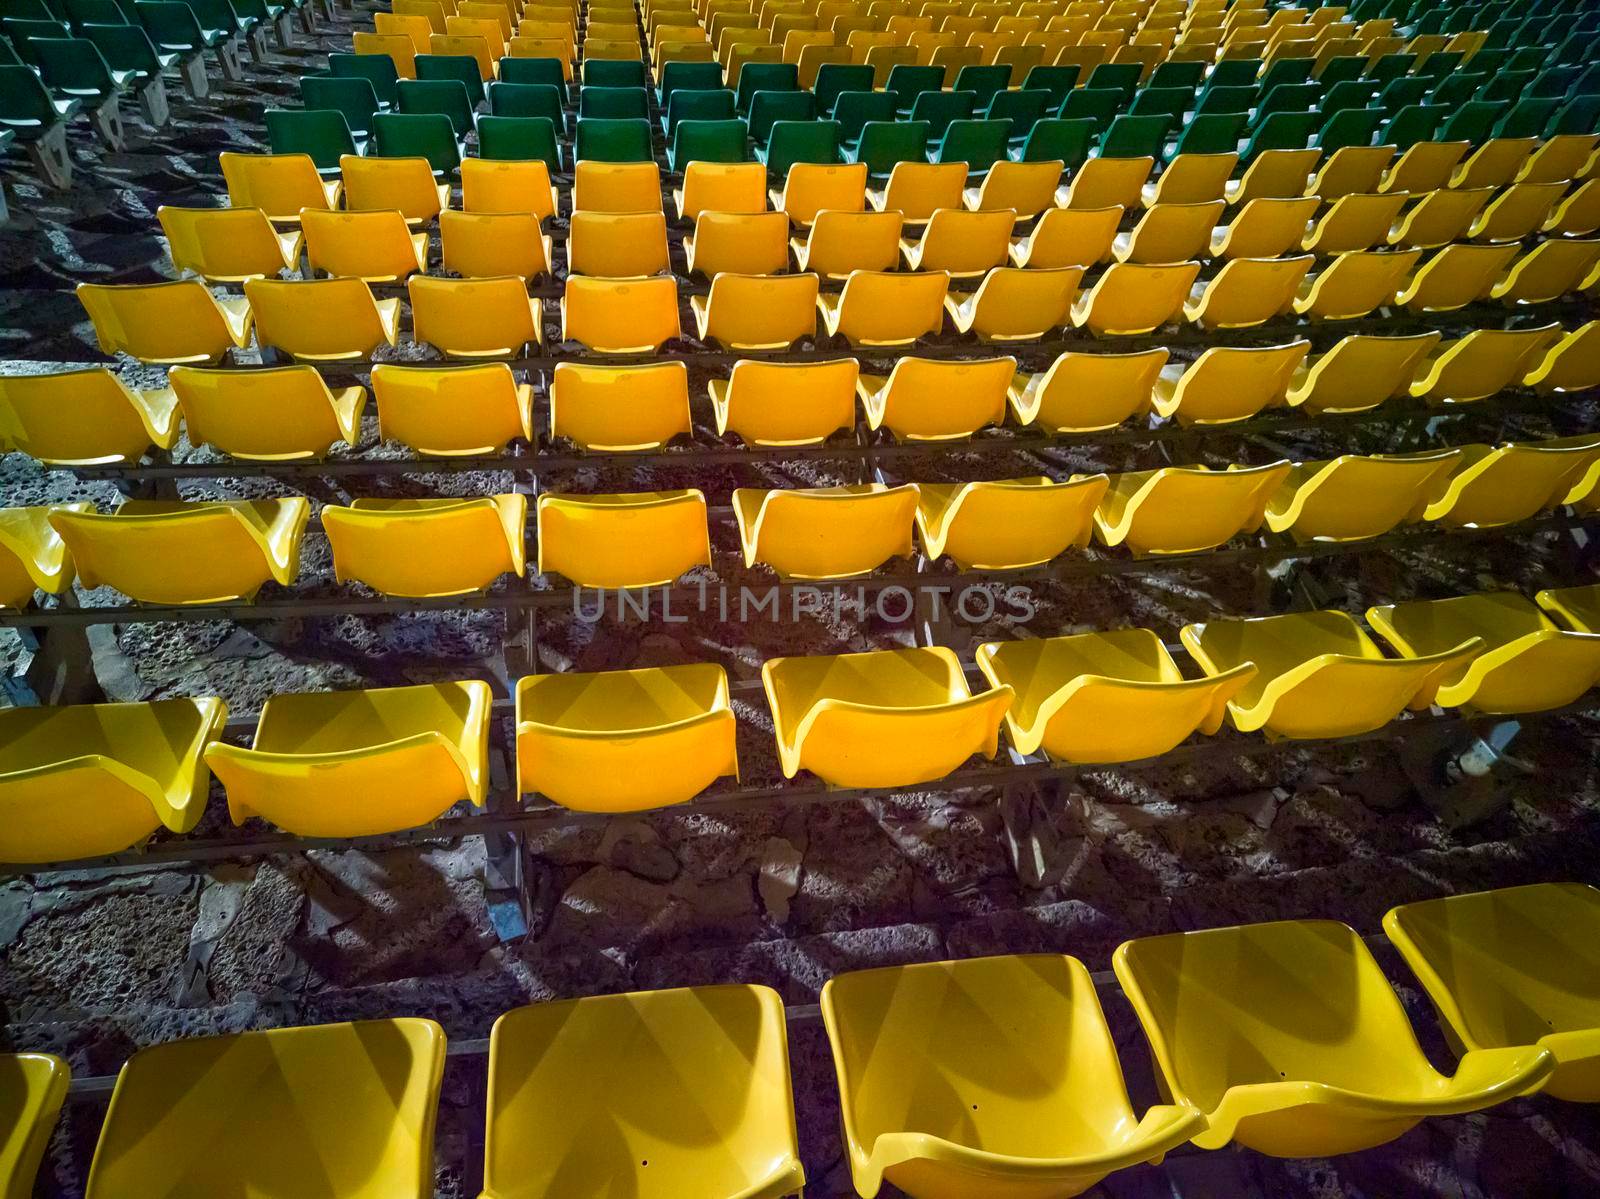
(1007, 524)
(825, 532)
(276, 414)
(165, 323)
(450, 411)
(1178, 510)
(376, 245)
(1085, 393)
(33, 1086)
(427, 548)
(1360, 372)
(1482, 363)
(930, 399)
(757, 312)
(1013, 304)
(85, 417)
(1132, 300)
(1500, 485)
(1227, 383)
(620, 316)
(1357, 496)
(620, 407)
(785, 403)
(323, 320)
(639, 539)
(32, 554)
(882, 308)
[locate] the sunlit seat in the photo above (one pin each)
(1027, 188)
(1274, 174)
(726, 187)
(492, 186)
(33, 1086)
(324, 320)
(1191, 179)
(1181, 509)
(485, 245)
(1354, 222)
(937, 399)
(757, 312)
(475, 318)
(1424, 167)
(785, 403)
(620, 316)
(1518, 212)
(33, 557)
(281, 185)
(825, 532)
(1085, 393)
(1439, 217)
(813, 187)
(841, 242)
(85, 417)
(1266, 227)
(1481, 364)
(617, 245)
(963, 243)
(1102, 182)
(1456, 276)
(620, 407)
(275, 414)
(165, 323)
(452, 411)
(616, 187)
(1359, 372)
(640, 539)
(747, 243)
(227, 245)
(1500, 485)
(1578, 607)
(1570, 363)
(376, 246)
(1354, 284)
(882, 308)
(427, 547)
(1227, 383)
(917, 190)
(1068, 237)
(1016, 304)
(1247, 292)
(406, 185)
(1169, 233)
(1007, 524)
(1131, 299)
(1357, 496)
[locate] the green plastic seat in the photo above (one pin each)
(1057, 80)
(1211, 133)
(94, 12)
(1349, 127)
(854, 109)
(446, 97)
(765, 77)
(1281, 131)
(1097, 105)
(1581, 114)
(519, 139)
(613, 103)
(938, 109)
(1023, 107)
(221, 14)
(1349, 93)
(174, 28)
(1397, 93)
(23, 33)
(128, 48)
(836, 78)
(1285, 97)
(1233, 98)
(461, 67)
(708, 141)
(528, 100)
(885, 143)
(26, 108)
(768, 108)
(1508, 85)
(534, 70)
(1284, 72)
(1557, 82)
(601, 139)
(354, 99)
(1412, 124)
(799, 141)
(1343, 69)
(685, 76)
(1055, 139)
(1391, 66)
(985, 81)
(1119, 77)
(1455, 90)
(698, 105)
(1135, 137)
(1528, 117)
(979, 144)
(1473, 122)
(605, 72)
(1235, 72)
(1179, 74)
(322, 133)
(376, 69)
(73, 68)
(417, 135)
(1171, 102)
(907, 82)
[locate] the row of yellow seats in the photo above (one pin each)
(231, 548)
(89, 417)
(94, 779)
(955, 1078)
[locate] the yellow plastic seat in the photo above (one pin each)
(825, 532)
(1266, 227)
(1494, 163)
(1424, 167)
(397, 46)
(841, 242)
(1068, 237)
(965, 244)
(281, 185)
(757, 312)
(785, 403)
(620, 407)
(1354, 284)
(726, 187)
(1578, 215)
(1456, 276)
(1525, 664)
(692, 1086)
(640, 539)
(625, 740)
(1247, 292)
(880, 308)
(1481, 364)
(165, 323)
(1274, 174)
(1518, 212)
(487, 245)
(360, 763)
(930, 399)
(1181, 509)
(334, 1109)
(620, 316)
(1227, 383)
(1356, 496)
(917, 190)
(492, 186)
(1013, 304)
(741, 242)
(1104, 697)
(427, 547)
(176, 552)
(1191, 179)
(94, 779)
(405, 185)
(324, 320)
(1354, 222)
(1512, 968)
(452, 410)
(1360, 372)
(32, 555)
(1500, 485)
(812, 187)
(84, 417)
(474, 318)
(991, 1076)
(1007, 524)
(1132, 300)
(1103, 182)
(1571, 363)
(33, 1086)
(1086, 393)
(1169, 233)
(1552, 269)
(1319, 673)
(1559, 159)
(227, 245)
(886, 718)
(276, 414)
(1026, 188)
(618, 245)
(1290, 1040)
(1351, 171)
(1578, 607)
(1439, 218)
(617, 187)
(464, 45)
(375, 246)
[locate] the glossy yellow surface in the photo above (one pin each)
(620, 316)
(1518, 212)
(452, 410)
(747, 243)
(812, 187)
(276, 414)
(227, 245)
(1558, 159)
(1439, 217)
(1227, 383)
(1456, 276)
(1511, 968)
(1180, 509)
(1130, 299)
(1481, 364)
(963, 243)
(1068, 237)
(1578, 215)
(620, 407)
(1570, 363)
(32, 554)
(1084, 393)
(474, 318)
(1499, 485)
(427, 547)
(1357, 496)
(1170, 233)
(625, 740)
(641, 539)
(1318, 673)
(376, 246)
(1246, 292)
(406, 185)
(281, 185)
(326, 320)
(485, 245)
(1191, 179)
(1578, 607)
(1104, 697)
(1009, 523)
(1352, 171)
(1354, 284)
(1026, 188)
(1291, 1041)
(1424, 167)
(653, 1095)
(1360, 372)
(825, 532)
(879, 308)
(1274, 174)
(1265, 227)
(84, 417)
(334, 1111)
(33, 1086)
(786, 403)
(177, 552)
(757, 312)
(887, 718)
(841, 242)
(1354, 222)
(502, 186)
(1102, 182)
(725, 187)
(615, 245)
(919, 189)
(93, 779)
(932, 399)
(1494, 163)
(1549, 271)
(616, 187)
(1013, 304)
(356, 763)
(165, 323)
(990, 1078)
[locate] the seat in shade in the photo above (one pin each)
(1554, 268)
(757, 312)
(692, 1086)
(1513, 968)
(825, 532)
(1354, 284)
(1104, 697)
(1007, 524)
(620, 407)
(275, 414)
(1526, 662)
(427, 547)
(930, 399)
(1180, 509)
(475, 318)
(326, 320)
(1481, 364)
(1132, 300)
(785, 403)
(881, 308)
(33, 1086)
(1356, 496)
(33, 557)
(345, 1109)
(1319, 673)
(165, 323)
(1290, 1040)
(93, 779)
(359, 763)
(1570, 363)
(1500, 485)
(1086, 393)
(450, 411)
(1360, 372)
(639, 539)
(1227, 383)
(1013, 304)
(991, 1075)
(85, 417)
(1247, 292)
(625, 740)
(620, 316)
(886, 718)
(186, 552)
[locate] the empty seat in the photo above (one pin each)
(165, 323)
(1068, 237)
(878, 308)
(1169, 233)
(1354, 496)
(919, 189)
(1570, 363)
(1481, 364)
(616, 187)
(491, 186)
(32, 555)
(1240, 1022)
(1319, 673)
(932, 399)
(640, 539)
(350, 1105)
(1266, 227)
(612, 245)
(1551, 270)
(725, 187)
(625, 740)
(454, 410)
(620, 316)
(1352, 170)
(376, 246)
(1102, 182)
(427, 547)
(825, 532)
(1354, 284)
(325, 320)
(1007, 524)
(1086, 393)
(1456, 276)
(484, 245)
(1512, 968)
(810, 188)
(83, 417)
(1440, 217)
(1227, 383)
(1578, 215)
(277, 414)
(176, 552)
(474, 318)
(281, 185)
(33, 1087)
(1354, 222)
(743, 243)
(1578, 607)
(1247, 292)
(841, 242)
(1013, 304)
(620, 407)
(1178, 510)
(227, 245)
(1425, 166)
(1500, 485)
(94, 779)
(406, 185)
(1104, 697)
(941, 1087)
(1494, 163)
(1274, 173)
(785, 403)
(1027, 188)
(1360, 372)
(962, 243)
(1518, 212)
(757, 312)
(641, 1064)
(886, 718)
(1191, 179)
(1131, 299)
